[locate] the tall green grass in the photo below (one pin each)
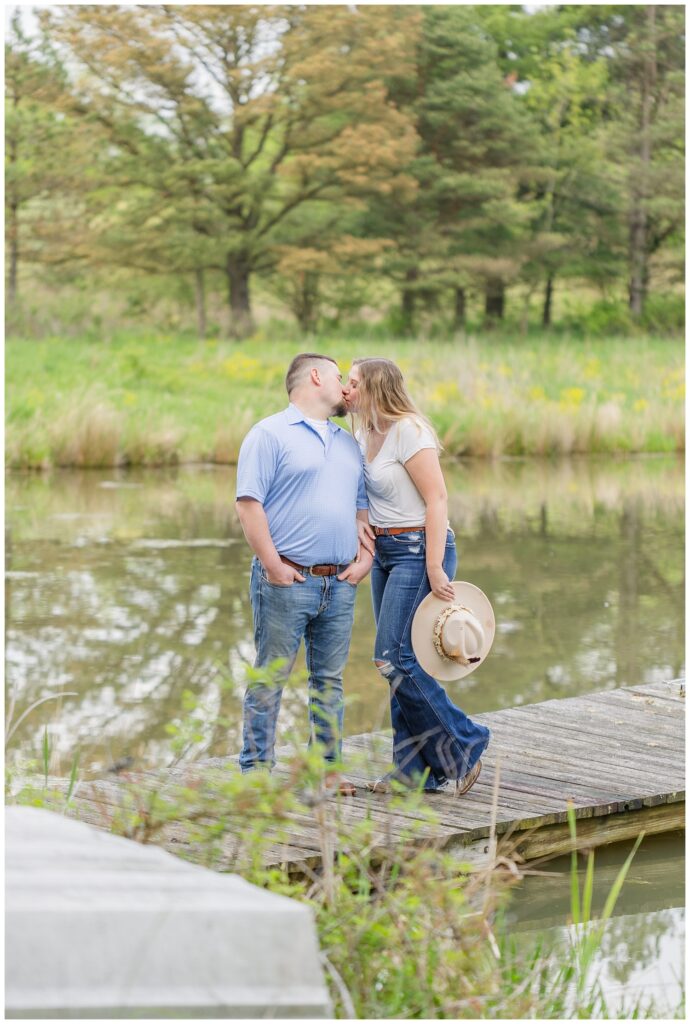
(156, 400)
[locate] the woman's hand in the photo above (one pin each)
(357, 570)
(366, 537)
(439, 583)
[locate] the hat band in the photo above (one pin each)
(438, 630)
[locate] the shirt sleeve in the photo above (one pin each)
(257, 464)
(413, 437)
(362, 500)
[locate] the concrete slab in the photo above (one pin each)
(99, 926)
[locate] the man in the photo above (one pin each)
(303, 508)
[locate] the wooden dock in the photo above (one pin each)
(617, 756)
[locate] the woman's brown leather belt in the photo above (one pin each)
(385, 531)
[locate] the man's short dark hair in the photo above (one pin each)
(297, 366)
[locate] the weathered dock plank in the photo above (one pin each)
(616, 756)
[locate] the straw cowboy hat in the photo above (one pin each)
(451, 638)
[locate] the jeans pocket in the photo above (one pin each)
(276, 586)
(414, 539)
(352, 585)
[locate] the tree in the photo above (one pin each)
(232, 117)
(643, 47)
(464, 225)
(653, 83)
(575, 207)
(44, 154)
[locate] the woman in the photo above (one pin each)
(434, 742)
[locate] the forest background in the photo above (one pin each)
(504, 183)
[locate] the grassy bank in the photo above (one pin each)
(146, 400)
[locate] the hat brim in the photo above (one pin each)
(423, 625)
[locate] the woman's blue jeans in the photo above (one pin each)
(322, 611)
(432, 738)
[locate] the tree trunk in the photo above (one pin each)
(408, 300)
(460, 313)
(238, 271)
(13, 236)
(494, 303)
(305, 301)
(548, 298)
(200, 303)
(639, 254)
(543, 519)
(638, 258)
(13, 225)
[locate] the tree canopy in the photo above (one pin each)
(445, 150)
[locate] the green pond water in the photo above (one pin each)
(130, 588)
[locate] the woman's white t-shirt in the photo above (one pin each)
(393, 498)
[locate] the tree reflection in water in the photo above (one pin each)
(641, 954)
(639, 965)
(132, 589)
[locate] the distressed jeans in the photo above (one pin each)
(320, 610)
(432, 738)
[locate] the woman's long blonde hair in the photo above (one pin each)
(383, 396)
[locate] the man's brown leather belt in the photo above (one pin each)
(384, 531)
(315, 570)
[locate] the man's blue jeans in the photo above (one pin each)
(322, 611)
(431, 736)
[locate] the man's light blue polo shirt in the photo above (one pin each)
(310, 489)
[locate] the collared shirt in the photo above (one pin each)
(310, 487)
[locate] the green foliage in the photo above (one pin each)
(420, 162)
(664, 314)
(604, 318)
(243, 117)
(46, 160)
(405, 928)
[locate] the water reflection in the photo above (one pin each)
(131, 588)
(640, 961)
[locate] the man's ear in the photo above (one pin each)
(315, 377)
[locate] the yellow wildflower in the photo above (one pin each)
(572, 396)
(445, 391)
(242, 367)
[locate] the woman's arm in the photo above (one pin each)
(425, 470)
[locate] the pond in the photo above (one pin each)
(129, 588)
(640, 962)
